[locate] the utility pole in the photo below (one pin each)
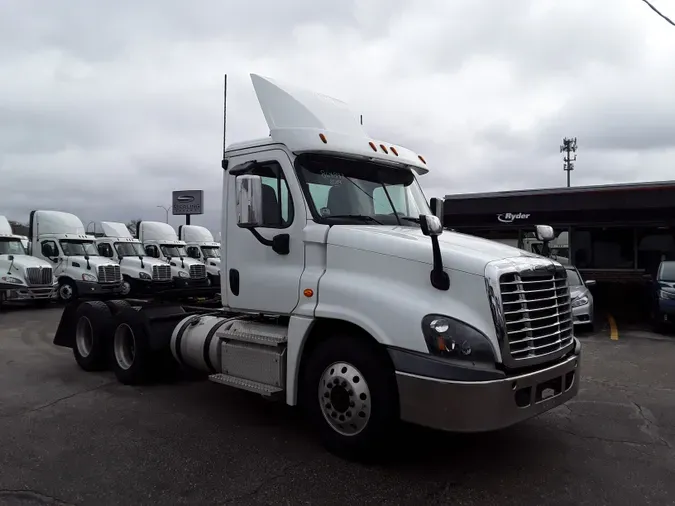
(569, 147)
(166, 209)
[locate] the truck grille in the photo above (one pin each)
(537, 314)
(109, 274)
(161, 272)
(37, 276)
(197, 271)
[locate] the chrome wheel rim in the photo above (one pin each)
(344, 398)
(124, 346)
(84, 337)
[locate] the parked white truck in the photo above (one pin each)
(202, 247)
(23, 278)
(341, 294)
(160, 241)
(141, 274)
(60, 239)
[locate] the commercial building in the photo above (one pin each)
(612, 233)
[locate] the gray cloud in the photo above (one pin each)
(109, 106)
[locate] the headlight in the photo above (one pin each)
(89, 277)
(666, 295)
(12, 280)
(580, 301)
(450, 338)
(183, 274)
(144, 275)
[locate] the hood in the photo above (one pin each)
(134, 261)
(460, 251)
(210, 261)
(25, 261)
(93, 261)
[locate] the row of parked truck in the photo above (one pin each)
(61, 260)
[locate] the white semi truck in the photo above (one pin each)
(202, 247)
(342, 295)
(23, 278)
(141, 274)
(161, 241)
(60, 239)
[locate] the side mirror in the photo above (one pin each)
(590, 283)
(248, 189)
(545, 232)
(436, 206)
(10, 258)
(430, 225)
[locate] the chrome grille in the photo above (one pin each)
(537, 313)
(37, 276)
(109, 274)
(161, 272)
(197, 271)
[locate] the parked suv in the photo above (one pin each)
(663, 296)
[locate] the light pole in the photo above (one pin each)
(166, 209)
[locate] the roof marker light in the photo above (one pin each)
(372, 145)
(384, 148)
(323, 138)
(422, 159)
(393, 150)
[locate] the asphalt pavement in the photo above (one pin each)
(70, 437)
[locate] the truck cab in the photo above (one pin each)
(23, 278)
(161, 242)
(141, 274)
(202, 247)
(60, 239)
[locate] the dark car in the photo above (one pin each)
(663, 296)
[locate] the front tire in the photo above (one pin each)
(350, 396)
(125, 291)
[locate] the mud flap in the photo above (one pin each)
(65, 332)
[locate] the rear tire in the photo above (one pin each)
(348, 390)
(92, 333)
(130, 355)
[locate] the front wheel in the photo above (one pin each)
(67, 290)
(349, 393)
(126, 287)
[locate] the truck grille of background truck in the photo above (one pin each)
(537, 313)
(37, 276)
(197, 271)
(109, 274)
(161, 272)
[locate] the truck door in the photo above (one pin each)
(255, 276)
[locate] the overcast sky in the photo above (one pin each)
(106, 107)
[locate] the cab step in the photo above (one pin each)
(264, 334)
(244, 384)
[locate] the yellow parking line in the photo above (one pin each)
(613, 330)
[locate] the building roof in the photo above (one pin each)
(660, 185)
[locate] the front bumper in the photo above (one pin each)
(90, 288)
(149, 285)
(667, 310)
(583, 315)
(190, 283)
(29, 293)
(486, 405)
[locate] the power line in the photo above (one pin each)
(568, 147)
(659, 12)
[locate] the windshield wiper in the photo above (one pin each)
(361, 217)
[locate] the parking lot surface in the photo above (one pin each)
(70, 437)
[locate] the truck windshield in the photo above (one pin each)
(11, 247)
(73, 248)
(171, 250)
(667, 271)
(573, 278)
(211, 251)
(129, 249)
(345, 190)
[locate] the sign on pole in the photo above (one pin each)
(187, 202)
